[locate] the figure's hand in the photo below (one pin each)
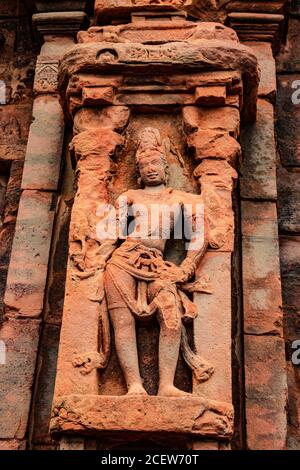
(177, 274)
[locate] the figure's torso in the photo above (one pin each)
(156, 217)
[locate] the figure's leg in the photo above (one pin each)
(169, 340)
(124, 331)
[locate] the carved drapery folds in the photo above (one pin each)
(197, 89)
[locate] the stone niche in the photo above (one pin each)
(196, 92)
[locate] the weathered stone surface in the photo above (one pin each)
(184, 415)
(56, 46)
(12, 444)
(15, 122)
(216, 179)
(62, 5)
(59, 22)
(210, 96)
(7, 221)
(257, 26)
(113, 117)
(17, 375)
(261, 269)
(212, 330)
(44, 149)
(258, 170)
(290, 274)
(147, 29)
(193, 56)
(222, 119)
(267, 85)
(289, 58)
(30, 255)
(288, 120)
(213, 144)
(205, 445)
(45, 384)
(46, 71)
(289, 199)
(93, 150)
(266, 392)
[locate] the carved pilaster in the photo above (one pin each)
(94, 149)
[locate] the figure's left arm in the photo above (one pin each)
(196, 231)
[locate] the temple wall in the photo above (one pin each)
(259, 272)
(288, 178)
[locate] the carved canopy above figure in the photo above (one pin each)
(204, 48)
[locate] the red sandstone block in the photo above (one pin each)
(212, 327)
(12, 444)
(267, 85)
(16, 376)
(210, 95)
(223, 119)
(290, 273)
(289, 59)
(261, 269)
(30, 254)
(289, 199)
(45, 143)
(288, 120)
(45, 385)
(258, 170)
(266, 392)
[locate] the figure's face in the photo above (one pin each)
(152, 169)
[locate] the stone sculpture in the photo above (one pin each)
(140, 284)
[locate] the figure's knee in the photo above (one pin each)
(121, 318)
(169, 313)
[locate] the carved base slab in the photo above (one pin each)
(95, 414)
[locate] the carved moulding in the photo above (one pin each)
(176, 57)
(205, 10)
(94, 415)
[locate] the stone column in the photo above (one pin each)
(94, 149)
(264, 346)
(27, 275)
(217, 152)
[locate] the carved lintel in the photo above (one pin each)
(143, 32)
(95, 414)
(193, 57)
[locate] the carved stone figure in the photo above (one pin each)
(139, 283)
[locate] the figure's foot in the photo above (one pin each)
(171, 391)
(136, 389)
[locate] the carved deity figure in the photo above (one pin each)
(140, 284)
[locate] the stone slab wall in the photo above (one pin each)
(288, 177)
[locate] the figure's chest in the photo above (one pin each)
(160, 210)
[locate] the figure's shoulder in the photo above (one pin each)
(130, 195)
(186, 198)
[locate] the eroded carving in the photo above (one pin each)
(139, 284)
(46, 73)
(92, 414)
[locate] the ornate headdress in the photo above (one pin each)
(149, 140)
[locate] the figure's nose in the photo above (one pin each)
(151, 168)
